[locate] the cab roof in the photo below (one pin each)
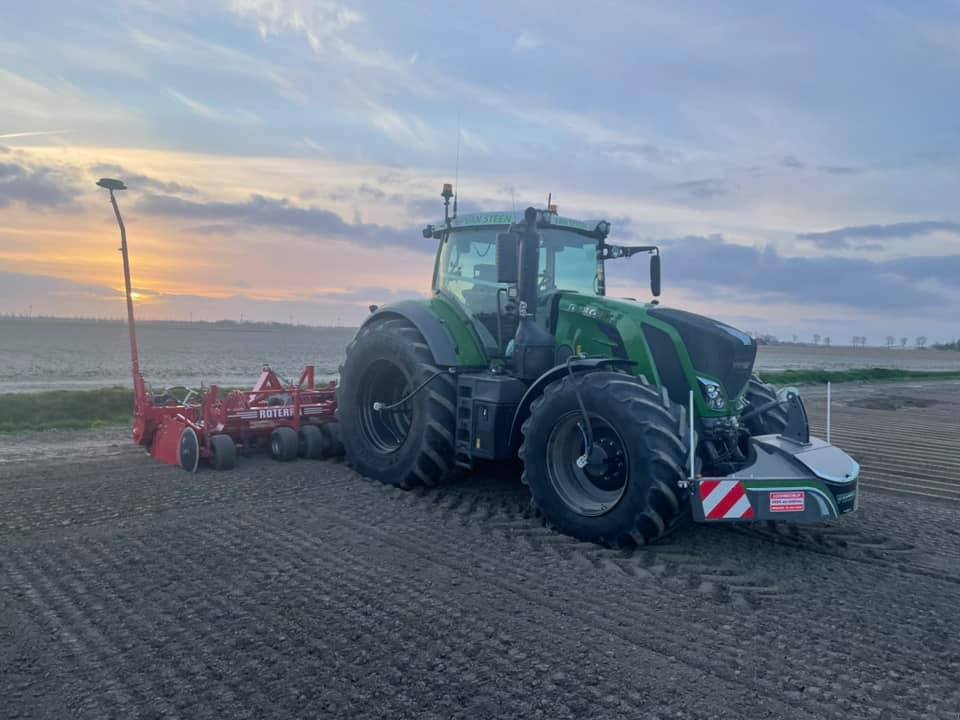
(505, 219)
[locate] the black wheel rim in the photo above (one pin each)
(189, 450)
(384, 382)
(597, 488)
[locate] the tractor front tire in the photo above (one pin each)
(770, 422)
(629, 492)
(408, 438)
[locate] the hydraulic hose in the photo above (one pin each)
(588, 438)
(380, 407)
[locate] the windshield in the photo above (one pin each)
(468, 266)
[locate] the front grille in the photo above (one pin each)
(715, 349)
(668, 363)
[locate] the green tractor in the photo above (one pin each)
(626, 415)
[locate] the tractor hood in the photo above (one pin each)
(715, 349)
(674, 346)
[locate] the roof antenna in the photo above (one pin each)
(456, 174)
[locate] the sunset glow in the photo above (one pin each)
(281, 161)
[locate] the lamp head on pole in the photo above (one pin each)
(111, 184)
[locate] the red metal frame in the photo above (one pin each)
(246, 416)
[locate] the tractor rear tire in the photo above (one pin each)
(224, 452)
(284, 444)
(632, 496)
(311, 442)
(413, 443)
(769, 422)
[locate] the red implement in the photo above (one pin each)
(289, 419)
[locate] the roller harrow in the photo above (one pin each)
(296, 419)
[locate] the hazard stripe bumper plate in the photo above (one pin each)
(789, 482)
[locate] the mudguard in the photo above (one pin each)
(430, 326)
(554, 373)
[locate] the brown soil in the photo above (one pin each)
(130, 589)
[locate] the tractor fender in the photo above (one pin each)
(540, 384)
(441, 345)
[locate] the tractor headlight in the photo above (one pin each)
(713, 394)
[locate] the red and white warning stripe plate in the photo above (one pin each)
(724, 500)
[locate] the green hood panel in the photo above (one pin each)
(649, 336)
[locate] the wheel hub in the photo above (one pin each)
(384, 383)
(593, 488)
(606, 463)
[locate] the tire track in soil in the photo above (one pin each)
(873, 550)
(375, 520)
(475, 528)
(279, 551)
(765, 653)
(504, 512)
(292, 539)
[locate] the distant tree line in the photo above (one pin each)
(891, 341)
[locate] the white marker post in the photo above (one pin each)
(692, 448)
(828, 411)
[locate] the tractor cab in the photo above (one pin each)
(474, 250)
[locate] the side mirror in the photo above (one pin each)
(655, 274)
(507, 260)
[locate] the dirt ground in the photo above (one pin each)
(130, 589)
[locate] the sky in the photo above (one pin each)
(797, 162)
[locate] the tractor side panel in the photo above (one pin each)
(467, 345)
(595, 327)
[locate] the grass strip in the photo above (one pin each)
(65, 409)
(82, 409)
(863, 375)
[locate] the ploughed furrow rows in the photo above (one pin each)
(289, 612)
(504, 515)
(906, 439)
(616, 598)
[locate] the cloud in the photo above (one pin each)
(715, 268)
(641, 154)
(136, 181)
(526, 41)
(866, 236)
(841, 169)
(474, 142)
(36, 187)
(32, 133)
(318, 20)
(22, 288)
(407, 130)
(698, 190)
(264, 212)
(232, 117)
(47, 293)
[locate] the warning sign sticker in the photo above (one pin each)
(791, 501)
